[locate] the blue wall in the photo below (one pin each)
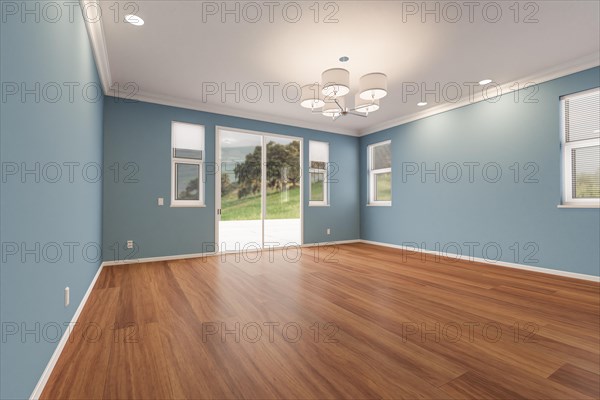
(42, 216)
(137, 139)
(493, 216)
(50, 212)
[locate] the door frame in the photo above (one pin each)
(218, 129)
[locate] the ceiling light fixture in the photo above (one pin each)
(134, 20)
(328, 97)
(485, 82)
(312, 97)
(334, 109)
(422, 104)
(365, 106)
(336, 82)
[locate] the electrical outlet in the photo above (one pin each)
(67, 296)
(329, 231)
(161, 201)
(130, 244)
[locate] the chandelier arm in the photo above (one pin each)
(338, 104)
(352, 112)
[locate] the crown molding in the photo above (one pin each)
(229, 111)
(581, 64)
(98, 41)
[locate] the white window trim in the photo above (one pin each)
(325, 201)
(200, 163)
(372, 174)
(567, 164)
(187, 203)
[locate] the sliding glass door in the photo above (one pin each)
(282, 224)
(259, 199)
(240, 215)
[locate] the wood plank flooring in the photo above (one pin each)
(352, 322)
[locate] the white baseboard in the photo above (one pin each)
(497, 263)
(395, 246)
(158, 259)
(39, 388)
(332, 243)
(199, 255)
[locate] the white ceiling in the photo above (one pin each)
(181, 49)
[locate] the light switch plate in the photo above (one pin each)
(161, 201)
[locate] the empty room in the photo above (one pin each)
(300, 199)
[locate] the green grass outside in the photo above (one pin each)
(249, 207)
(384, 187)
(587, 185)
(316, 191)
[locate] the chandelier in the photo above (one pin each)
(328, 98)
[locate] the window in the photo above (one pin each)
(580, 114)
(187, 158)
(380, 174)
(318, 155)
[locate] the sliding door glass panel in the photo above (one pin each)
(240, 226)
(282, 214)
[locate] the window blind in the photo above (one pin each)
(581, 141)
(318, 153)
(188, 140)
(582, 116)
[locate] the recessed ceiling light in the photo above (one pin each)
(134, 20)
(422, 104)
(344, 59)
(485, 82)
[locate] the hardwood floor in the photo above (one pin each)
(369, 322)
